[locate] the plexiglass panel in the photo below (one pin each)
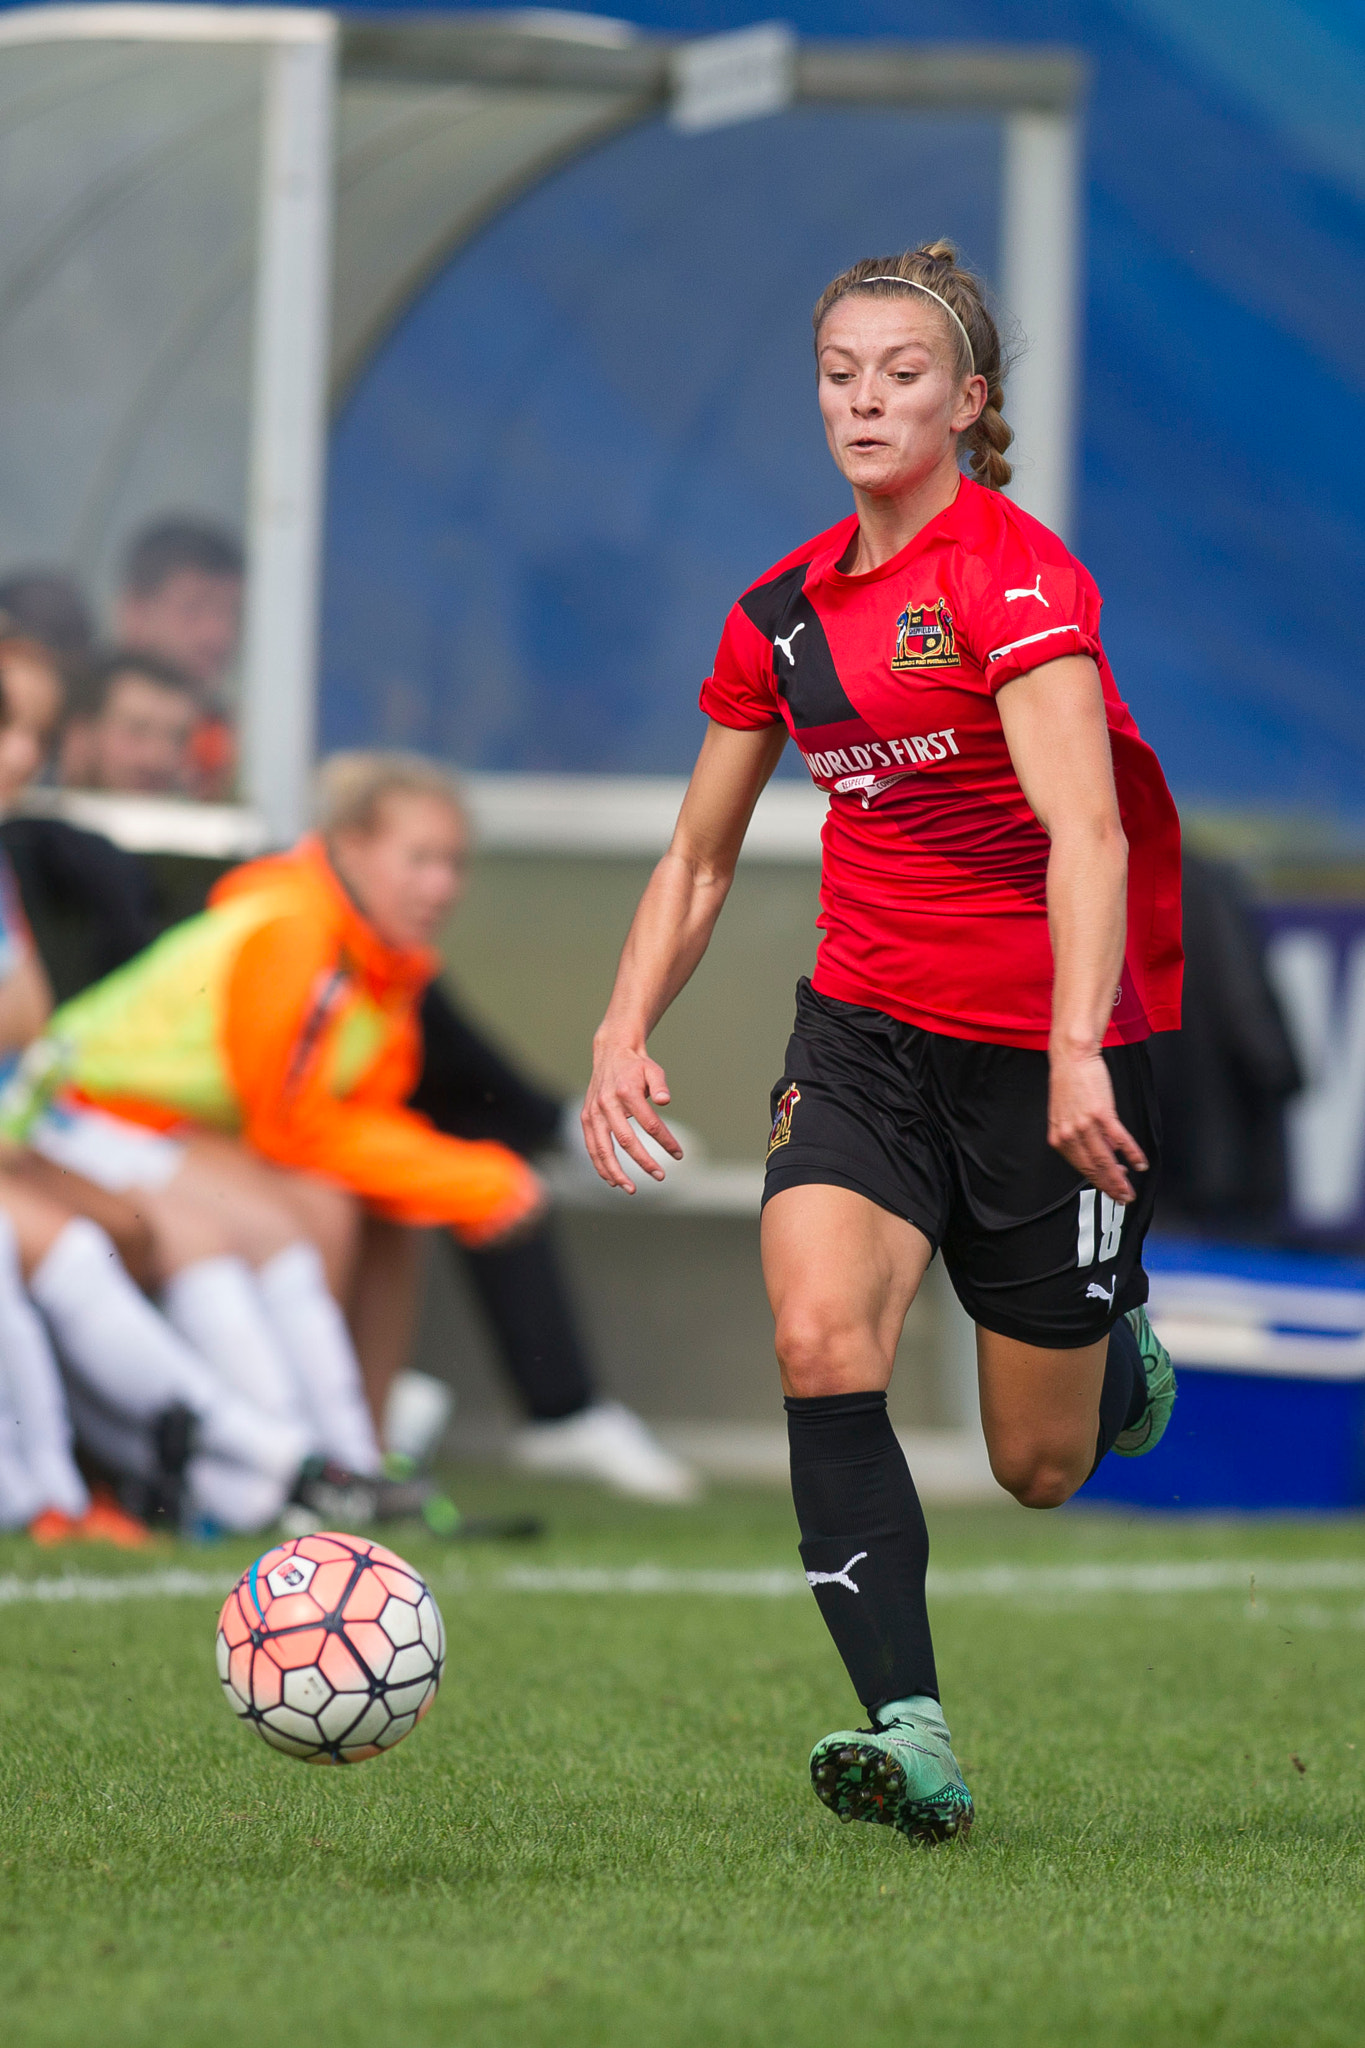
(128, 230)
(130, 191)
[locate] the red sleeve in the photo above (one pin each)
(391, 1157)
(741, 690)
(1025, 601)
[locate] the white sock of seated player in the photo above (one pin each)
(233, 1497)
(313, 1331)
(216, 1306)
(124, 1446)
(219, 1489)
(20, 1500)
(136, 1365)
(39, 1433)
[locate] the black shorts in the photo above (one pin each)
(952, 1135)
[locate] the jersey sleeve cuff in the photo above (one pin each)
(1034, 650)
(739, 717)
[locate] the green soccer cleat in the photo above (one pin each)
(901, 1774)
(1147, 1433)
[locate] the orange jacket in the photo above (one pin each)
(316, 1046)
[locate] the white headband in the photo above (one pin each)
(916, 286)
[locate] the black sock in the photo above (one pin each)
(1123, 1397)
(864, 1542)
(526, 1301)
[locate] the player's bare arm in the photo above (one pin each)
(668, 936)
(1055, 728)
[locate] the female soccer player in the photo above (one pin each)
(1001, 919)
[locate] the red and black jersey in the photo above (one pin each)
(933, 895)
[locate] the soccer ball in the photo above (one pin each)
(331, 1648)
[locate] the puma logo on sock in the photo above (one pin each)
(837, 1578)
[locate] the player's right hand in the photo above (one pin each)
(1083, 1124)
(626, 1083)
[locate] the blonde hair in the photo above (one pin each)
(976, 349)
(350, 790)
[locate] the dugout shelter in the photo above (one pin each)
(211, 219)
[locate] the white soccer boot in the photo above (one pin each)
(610, 1444)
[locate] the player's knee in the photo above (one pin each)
(819, 1353)
(1038, 1476)
(183, 1233)
(134, 1239)
(327, 1214)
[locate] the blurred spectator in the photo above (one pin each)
(90, 904)
(181, 599)
(49, 606)
(130, 728)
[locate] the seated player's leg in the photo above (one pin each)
(123, 1352)
(841, 1273)
(173, 1484)
(119, 1215)
(126, 1362)
(271, 1207)
(208, 1293)
(36, 1462)
(132, 1367)
(259, 1210)
(383, 1304)
(193, 1233)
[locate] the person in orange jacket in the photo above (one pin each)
(319, 1021)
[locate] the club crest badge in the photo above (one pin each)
(782, 1122)
(925, 638)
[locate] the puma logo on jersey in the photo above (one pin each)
(1094, 1292)
(1035, 590)
(786, 644)
(837, 1578)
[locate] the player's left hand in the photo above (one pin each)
(1083, 1124)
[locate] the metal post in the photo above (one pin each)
(1039, 287)
(288, 426)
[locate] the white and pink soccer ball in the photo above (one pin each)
(331, 1648)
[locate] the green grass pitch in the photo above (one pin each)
(603, 1834)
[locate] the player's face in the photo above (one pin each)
(408, 874)
(890, 396)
